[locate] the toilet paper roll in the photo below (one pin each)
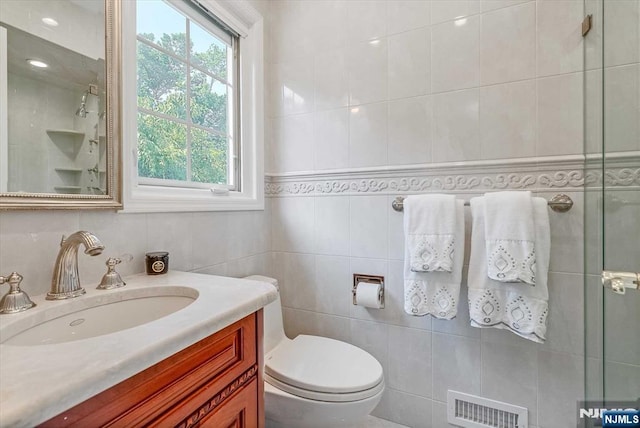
(368, 295)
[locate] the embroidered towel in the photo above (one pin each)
(522, 310)
(510, 237)
(435, 293)
(430, 223)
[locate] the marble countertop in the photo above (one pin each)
(39, 382)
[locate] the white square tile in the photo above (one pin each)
(509, 375)
(368, 135)
(410, 360)
(622, 108)
(331, 79)
(293, 143)
(560, 113)
(332, 225)
(333, 285)
(168, 232)
(408, 63)
(456, 126)
(622, 40)
(372, 337)
(208, 233)
(329, 24)
(565, 322)
(293, 224)
(368, 226)
(507, 44)
(292, 87)
(622, 381)
(366, 19)
(403, 15)
(409, 131)
(448, 10)
(560, 386)
(296, 280)
(408, 409)
(559, 37)
(462, 70)
(368, 72)
(507, 120)
(331, 139)
(289, 30)
(456, 365)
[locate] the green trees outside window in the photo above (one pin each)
(183, 101)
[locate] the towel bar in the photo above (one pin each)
(560, 203)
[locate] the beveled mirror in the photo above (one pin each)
(60, 132)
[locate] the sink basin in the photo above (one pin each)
(87, 317)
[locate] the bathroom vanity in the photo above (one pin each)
(198, 366)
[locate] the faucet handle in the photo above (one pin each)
(15, 300)
(111, 279)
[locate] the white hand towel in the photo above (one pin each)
(522, 310)
(430, 225)
(510, 237)
(436, 293)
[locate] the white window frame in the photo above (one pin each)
(139, 198)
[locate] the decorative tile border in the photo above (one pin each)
(565, 173)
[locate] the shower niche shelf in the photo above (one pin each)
(65, 132)
(69, 170)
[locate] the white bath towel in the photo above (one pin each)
(510, 237)
(436, 293)
(430, 225)
(520, 309)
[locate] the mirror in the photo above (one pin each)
(59, 104)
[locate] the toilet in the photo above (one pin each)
(313, 381)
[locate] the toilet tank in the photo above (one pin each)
(273, 325)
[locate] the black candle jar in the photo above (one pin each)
(157, 262)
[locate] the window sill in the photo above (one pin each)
(154, 199)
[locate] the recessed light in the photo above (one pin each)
(50, 22)
(375, 42)
(37, 63)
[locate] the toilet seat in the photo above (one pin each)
(323, 369)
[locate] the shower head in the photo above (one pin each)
(82, 110)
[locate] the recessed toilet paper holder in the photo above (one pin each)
(372, 279)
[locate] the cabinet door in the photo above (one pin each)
(239, 411)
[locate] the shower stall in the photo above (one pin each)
(612, 202)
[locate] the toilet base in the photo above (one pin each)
(284, 410)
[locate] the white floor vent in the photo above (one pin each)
(471, 411)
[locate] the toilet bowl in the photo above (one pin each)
(313, 381)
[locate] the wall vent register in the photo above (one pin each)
(471, 411)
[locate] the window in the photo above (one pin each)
(187, 97)
(192, 92)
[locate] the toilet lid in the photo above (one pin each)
(323, 365)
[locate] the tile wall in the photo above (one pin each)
(358, 86)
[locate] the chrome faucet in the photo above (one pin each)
(65, 283)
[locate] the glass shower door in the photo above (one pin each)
(612, 172)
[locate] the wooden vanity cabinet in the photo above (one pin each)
(216, 382)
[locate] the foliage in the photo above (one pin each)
(163, 151)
